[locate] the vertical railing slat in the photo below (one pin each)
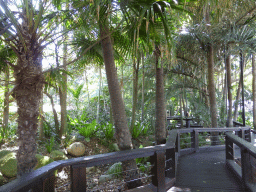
(78, 178)
(177, 144)
(229, 149)
(194, 140)
(158, 170)
(246, 166)
(170, 163)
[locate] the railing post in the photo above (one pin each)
(241, 134)
(170, 171)
(194, 140)
(49, 183)
(247, 134)
(158, 170)
(39, 186)
(229, 149)
(177, 144)
(246, 166)
(78, 178)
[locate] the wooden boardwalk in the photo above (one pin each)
(202, 172)
(205, 171)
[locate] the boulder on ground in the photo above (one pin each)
(58, 155)
(76, 149)
(42, 161)
(8, 163)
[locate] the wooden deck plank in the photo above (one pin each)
(206, 172)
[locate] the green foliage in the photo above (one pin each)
(8, 133)
(115, 169)
(76, 92)
(136, 131)
(67, 141)
(140, 129)
(108, 130)
(203, 139)
(49, 146)
(47, 130)
(143, 163)
(185, 140)
(87, 130)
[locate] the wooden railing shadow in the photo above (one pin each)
(163, 158)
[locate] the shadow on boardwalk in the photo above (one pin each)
(205, 171)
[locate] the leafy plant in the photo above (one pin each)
(88, 129)
(108, 131)
(9, 132)
(136, 130)
(49, 146)
(115, 169)
(143, 163)
(185, 140)
(145, 130)
(67, 141)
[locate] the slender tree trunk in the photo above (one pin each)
(55, 115)
(228, 67)
(238, 95)
(181, 114)
(254, 90)
(123, 134)
(142, 90)
(160, 130)
(98, 106)
(211, 87)
(87, 88)
(135, 90)
(6, 101)
(63, 94)
(242, 82)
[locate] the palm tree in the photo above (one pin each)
(152, 24)
(27, 38)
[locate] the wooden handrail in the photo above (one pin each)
(171, 148)
(246, 173)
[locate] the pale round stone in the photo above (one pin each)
(76, 149)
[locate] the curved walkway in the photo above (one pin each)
(205, 171)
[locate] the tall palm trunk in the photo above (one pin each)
(211, 87)
(63, 95)
(135, 90)
(254, 90)
(29, 84)
(6, 101)
(122, 134)
(160, 131)
(228, 68)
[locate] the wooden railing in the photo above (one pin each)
(195, 133)
(243, 162)
(42, 179)
(163, 158)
